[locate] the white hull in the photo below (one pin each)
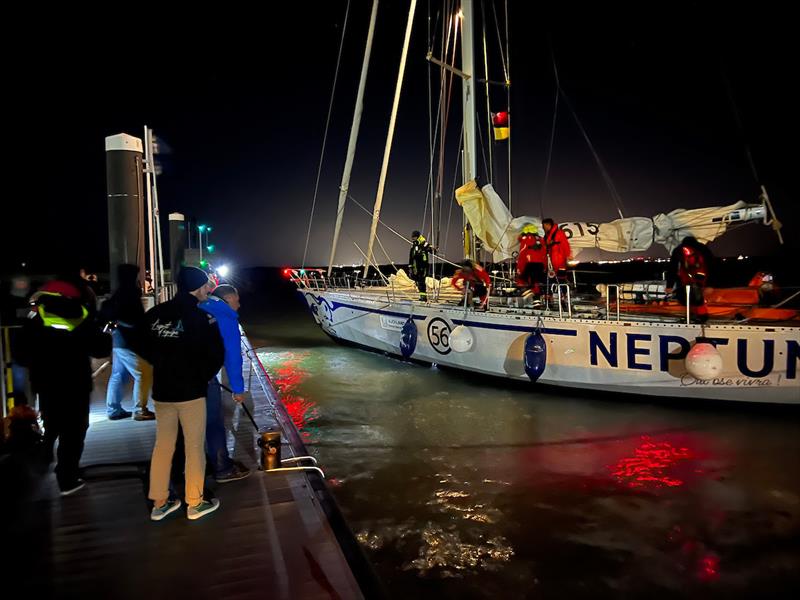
(760, 363)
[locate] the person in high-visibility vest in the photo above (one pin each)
(418, 262)
(532, 259)
(57, 342)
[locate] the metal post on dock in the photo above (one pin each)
(125, 208)
(177, 243)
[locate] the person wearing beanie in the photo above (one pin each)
(57, 343)
(184, 346)
(224, 305)
(191, 279)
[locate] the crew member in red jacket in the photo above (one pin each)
(476, 276)
(690, 262)
(558, 250)
(532, 259)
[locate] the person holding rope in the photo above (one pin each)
(224, 305)
(558, 250)
(475, 279)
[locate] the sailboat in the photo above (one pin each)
(601, 343)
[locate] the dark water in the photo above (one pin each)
(469, 487)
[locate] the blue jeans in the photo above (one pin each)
(216, 444)
(19, 376)
(126, 364)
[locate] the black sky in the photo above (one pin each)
(242, 99)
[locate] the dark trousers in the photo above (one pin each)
(696, 297)
(216, 438)
(533, 275)
(66, 418)
(419, 279)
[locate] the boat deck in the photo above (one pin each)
(582, 308)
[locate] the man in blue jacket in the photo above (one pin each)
(223, 305)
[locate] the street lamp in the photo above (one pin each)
(200, 230)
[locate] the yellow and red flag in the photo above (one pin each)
(502, 131)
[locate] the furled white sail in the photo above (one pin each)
(498, 229)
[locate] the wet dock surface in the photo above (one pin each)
(275, 535)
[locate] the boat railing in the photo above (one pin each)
(560, 290)
(313, 279)
(610, 287)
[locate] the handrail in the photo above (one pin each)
(608, 299)
(569, 301)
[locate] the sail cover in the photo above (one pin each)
(498, 229)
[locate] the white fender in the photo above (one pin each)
(704, 361)
(461, 339)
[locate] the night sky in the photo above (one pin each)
(241, 100)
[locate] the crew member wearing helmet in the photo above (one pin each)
(531, 259)
(418, 262)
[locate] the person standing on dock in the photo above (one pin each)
(224, 306)
(58, 340)
(124, 310)
(184, 346)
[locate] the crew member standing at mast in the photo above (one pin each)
(418, 262)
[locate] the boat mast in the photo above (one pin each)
(376, 212)
(468, 96)
(351, 147)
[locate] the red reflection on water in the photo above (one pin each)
(287, 377)
(708, 568)
(649, 465)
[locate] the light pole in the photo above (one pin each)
(200, 230)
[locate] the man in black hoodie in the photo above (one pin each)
(124, 310)
(57, 342)
(184, 345)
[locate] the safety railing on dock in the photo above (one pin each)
(360, 566)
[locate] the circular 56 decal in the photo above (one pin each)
(439, 335)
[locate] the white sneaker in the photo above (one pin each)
(72, 488)
(205, 507)
(159, 512)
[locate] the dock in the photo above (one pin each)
(276, 534)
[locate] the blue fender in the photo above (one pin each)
(408, 338)
(535, 355)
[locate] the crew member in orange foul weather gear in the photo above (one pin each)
(532, 259)
(690, 264)
(558, 250)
